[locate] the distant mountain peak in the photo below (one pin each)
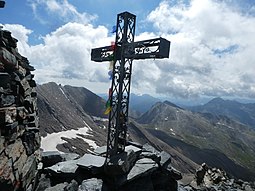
(216, 100)
(241, 112)
(171, 104)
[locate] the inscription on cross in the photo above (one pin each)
(122, 53)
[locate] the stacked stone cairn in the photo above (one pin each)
(19, 129)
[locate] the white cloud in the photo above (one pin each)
(60, 10)
(66, 53)
(211, 52)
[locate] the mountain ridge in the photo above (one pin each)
(243, 112)
(221, 133)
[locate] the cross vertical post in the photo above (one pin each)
(124, 52)
(120, 85)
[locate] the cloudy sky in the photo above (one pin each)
(212, 43)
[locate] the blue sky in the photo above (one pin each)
(212, 43)
(44, 21)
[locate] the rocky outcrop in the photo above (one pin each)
(19, 129)
(139, 168)
(208, 178)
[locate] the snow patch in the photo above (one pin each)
(50, 142)
(224, 125)
(64, 93)
(89, 128)
(99, 118)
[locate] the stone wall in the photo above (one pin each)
(19, 129)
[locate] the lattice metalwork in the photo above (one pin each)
(120, 85)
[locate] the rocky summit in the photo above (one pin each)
(139, 168)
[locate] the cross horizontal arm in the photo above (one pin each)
(102, 54)
(153, 48)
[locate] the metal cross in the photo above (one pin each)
(124, 51)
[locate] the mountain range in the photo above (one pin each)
(72, 120)
(242, 112)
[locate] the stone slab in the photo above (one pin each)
(66, 167)
(58, 187)
(100, 150)
(143, 167)
(69, 156)
(92, 184)
(165, 159)
(134, 148)
(29, 171)
(147, 147)
(15, 150)
(121, 163)
(50, 158)
(7, 58)
(89, 161)
(4, 80)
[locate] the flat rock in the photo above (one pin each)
(150, 155)
(2, 146)
(44, 183)
(134, 148)
(58, 187)
(143, 167)
(100, 150)
(4, 79)
(91, 162)
(92, 184)
(175, 174)
(134, 144)
(121, 163)
(73, 186)
(148, 147)
(66, 167)
(50, 158)
(165, 159)
(29, 170)
(69, 156)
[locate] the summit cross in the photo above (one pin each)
(122, 53)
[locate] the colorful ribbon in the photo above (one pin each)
(108, 103)
(114, 29)
(110, 73)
